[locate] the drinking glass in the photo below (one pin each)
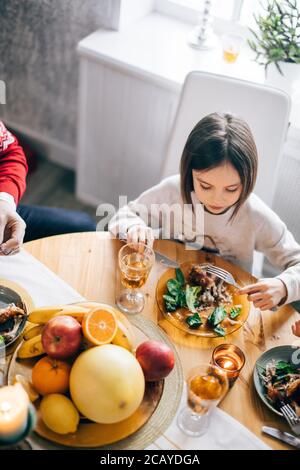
(206, 386)
(135, 262)
(232, 44)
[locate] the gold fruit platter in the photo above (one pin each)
(159, 406)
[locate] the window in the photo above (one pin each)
(187, 10)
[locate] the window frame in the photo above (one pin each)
(189, 14)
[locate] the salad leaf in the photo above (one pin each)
(174, 287)
(235, 312)
(180, 276)
(194, 321)
(217, 316)
(221, 331)
(284, 368)
(191, 294)
(2, 341)
(169, 299)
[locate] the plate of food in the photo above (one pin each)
(200, 303)
(15, 303)
(276, 378)
(121, 393)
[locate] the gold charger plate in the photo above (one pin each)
(156, 412)
(161, 289)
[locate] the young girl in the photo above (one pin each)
(218, 170)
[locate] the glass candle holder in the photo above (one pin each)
(230, 359)
(19, 441)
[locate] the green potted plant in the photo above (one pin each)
(277, 42)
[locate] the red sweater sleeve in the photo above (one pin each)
(13, 165)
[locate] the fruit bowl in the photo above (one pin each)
(159, 405)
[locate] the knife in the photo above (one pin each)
(282, 436)
(165, 260)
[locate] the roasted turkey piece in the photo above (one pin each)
(10, 311)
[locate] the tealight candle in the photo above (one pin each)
(14, 403)
(230, 359)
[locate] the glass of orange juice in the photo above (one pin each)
(206, 386)
(231, 44)
(135, 263)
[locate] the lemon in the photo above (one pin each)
(59, 414)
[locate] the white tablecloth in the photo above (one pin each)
(46, 288)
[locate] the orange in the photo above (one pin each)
(51, 376)
(99, 326)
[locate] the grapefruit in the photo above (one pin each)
(107, 384)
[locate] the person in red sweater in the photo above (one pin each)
(23, 222)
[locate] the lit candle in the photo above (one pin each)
(230, 359)
(14, 404)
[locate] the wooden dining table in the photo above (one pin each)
(89, 263)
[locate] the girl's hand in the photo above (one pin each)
(266, 293)
(296, 328)
(140, 234)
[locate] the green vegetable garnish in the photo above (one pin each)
(235, 312)
(217, 316)
(220, 331)
(191, 295)
(180, 276)
(194, 321)
(284, 368)
(174, 287)
(2, 341)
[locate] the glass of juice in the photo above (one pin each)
(135, 263)
(206, 386)
(232, 44)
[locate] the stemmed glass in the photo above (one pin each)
(206, 386)
(135, 262)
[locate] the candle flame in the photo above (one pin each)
(228, 364)
(5, 407)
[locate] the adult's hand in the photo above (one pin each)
(12, 229)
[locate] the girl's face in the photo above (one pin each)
(218, 188)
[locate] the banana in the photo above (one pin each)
(31, 348)
(124, 337)
(33, 331)
(42, 315)
(27, 385)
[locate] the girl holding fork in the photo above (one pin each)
(218, 171)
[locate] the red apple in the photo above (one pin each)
(61, 337)
(156, 359)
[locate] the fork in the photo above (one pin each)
(225, 276)
(291, 417)
(222, 274)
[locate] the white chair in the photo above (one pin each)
(265, 109)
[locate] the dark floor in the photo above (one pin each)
(54, 186)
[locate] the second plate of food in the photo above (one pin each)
(199, 303)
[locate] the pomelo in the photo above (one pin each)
(107, 384)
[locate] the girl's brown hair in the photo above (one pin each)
(217, 139)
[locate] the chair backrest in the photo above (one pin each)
(265, 109)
